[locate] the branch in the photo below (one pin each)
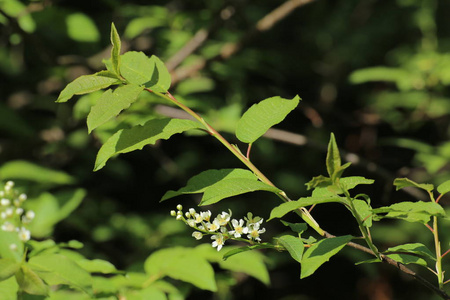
(266, 23)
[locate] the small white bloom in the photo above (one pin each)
(192, 211)
(214, 226)
(254, 231)
(13, 247)
(9, 212)
(9, 183)
(179, 207)
(187, 215)
(223, 218)
(30, 215)
(22, 197)
(198, 218)
(7, 226)
(5, 202)
(218, 241)
(173, 213)
(19, 211)
(239, 228)
(201, 227)
(24, 234)
(191, 222)
(179, 217)
(206, 215)
(3, 215)
(197, 235)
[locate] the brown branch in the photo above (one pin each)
(266, 23)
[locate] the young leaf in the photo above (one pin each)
(160, 81)
(111, 103)
(183, 264)
(293, 245)
(232, 187)
(333, 160)
(136, 67)
(235, 251)
(8, 267)
(30, 282)
(9, 289)
(405, 182)
(219, 184)
(263, 115)
(351, 182)
(413, 248)
(58, 269)
(115, 51)
(405, 259)
(86, 84)
(444, 187)
(97, 266)
(320, 253)
(410, 211)
(318, 181)
(127, 140)
(286, 207)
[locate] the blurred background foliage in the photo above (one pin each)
(376, 73)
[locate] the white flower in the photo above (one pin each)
(198, 218)
(179, 207)
(30, 215)
(238, 228)
(191, 222)
(187, 215)
(7, 226)
(24, 234)
(223, 218)
(214, 226)
(19, 211)
(206, 215)
(197, 235)
(22, 197)
(9, 212)
(191, 211)
(173, 213)
(254, 231)
(5, 202)
(218, 241)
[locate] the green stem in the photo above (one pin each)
(302, 212)
(437, 246)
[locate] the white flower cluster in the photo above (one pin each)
(13, 217)
(221, 227)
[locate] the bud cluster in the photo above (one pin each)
(222, 227)
(13, 217)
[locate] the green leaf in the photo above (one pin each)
(97, 266)
(364, 211)
(286, 207)
(235, 251)
(413, 248)
(183, 264)
(115, 51)
(351, 182)
(127, 140)
(58, 269)
(160, 81)
(8, 267)
(405, 182)
(86, 84)
(6, 240)
(263, 115)
(136, 67)
(111, 103)
(293, 245)
(9, 289)
(318, 181)
(444, 187)
(296, 227)
(321, 252)
(408, 259)
(232, 187)
(250, 263)
(219, 184)
(333, 160)
(81, 28)
(21, 169)
(30, 282)
(410, 211)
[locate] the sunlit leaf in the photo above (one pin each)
(413, 248)
(7, 251)
(401, 183)
(30, 282)
(444, 187)
(296, 227)
(81, 28)
(160, 81)
(86, 84)
(127, 140)
(364, 211)
(8, 267)
(410, 211)
(263, 115)
(182, 264)
(9, 288)
(293, 245)
(111, 103)
(115, 51)
(97, 266)
(58, 269)
(286, 207)
(321, 252)
(408, 259)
